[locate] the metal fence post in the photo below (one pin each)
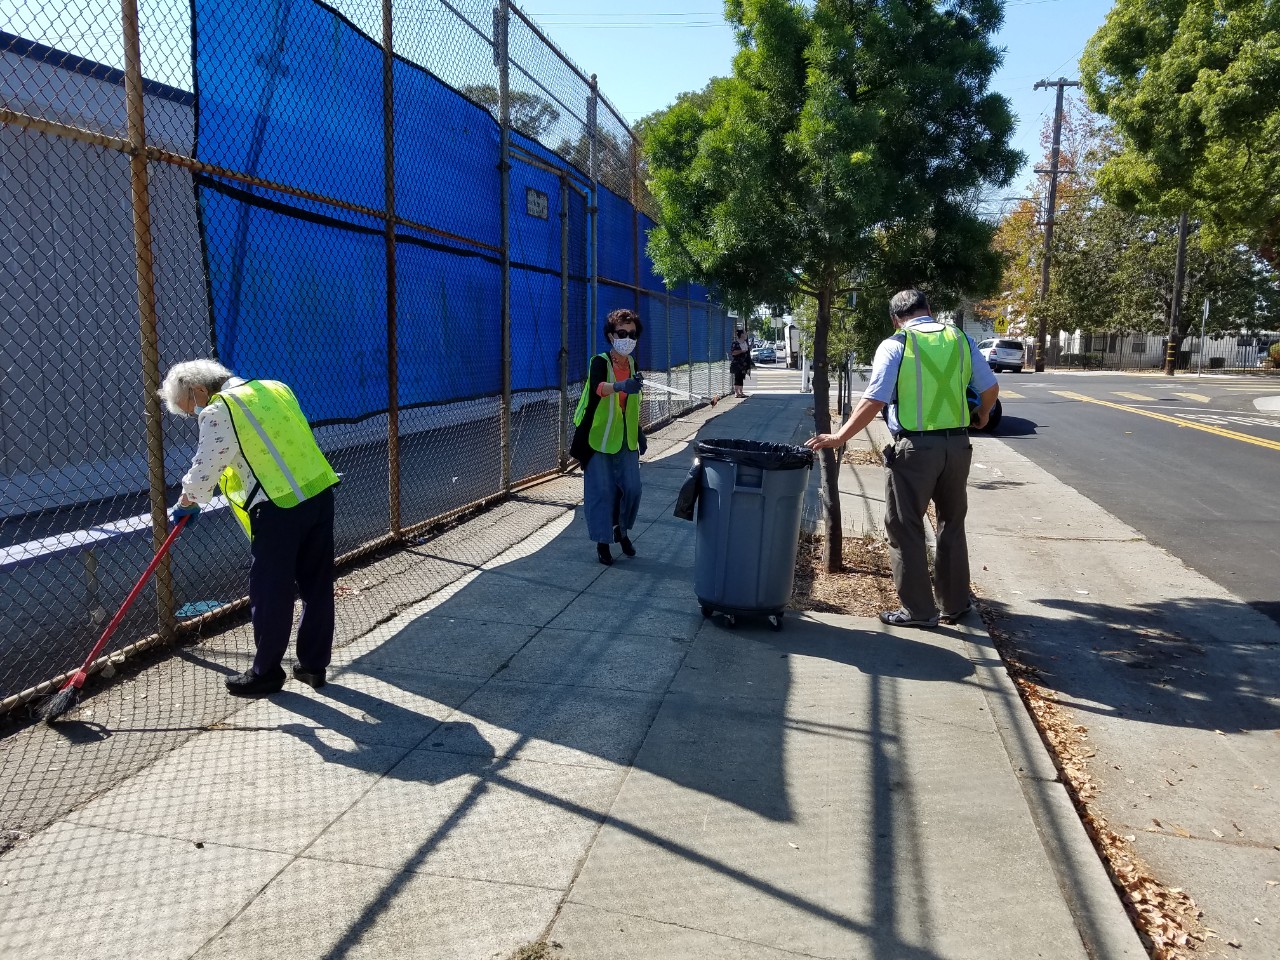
(564, 323)
(688, 322)
(633, 162)
(688, 339)
(393, 349)
(593, 211)
(148, 323)
(501, 21)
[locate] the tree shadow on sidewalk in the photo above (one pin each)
(1191, 662)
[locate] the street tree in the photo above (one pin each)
(1114, 273)
(531, 114)
(841, 154)
(1193, 89)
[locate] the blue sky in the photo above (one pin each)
(645, 53)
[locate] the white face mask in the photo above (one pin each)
(623, 346)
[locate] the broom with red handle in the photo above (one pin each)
(66, 698)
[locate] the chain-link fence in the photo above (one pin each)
(417, 215)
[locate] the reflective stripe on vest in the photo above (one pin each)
(276, 441)
(932, 378)
(607, 432)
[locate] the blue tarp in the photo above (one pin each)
(291, 92)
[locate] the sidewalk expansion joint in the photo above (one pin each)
(427, 873)
(692, 929)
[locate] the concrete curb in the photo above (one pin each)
(1105, 927)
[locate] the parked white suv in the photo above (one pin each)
(1003, 354)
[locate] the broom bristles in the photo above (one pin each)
(59, 703)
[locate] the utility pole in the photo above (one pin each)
(1061, 83)
(1175, 310)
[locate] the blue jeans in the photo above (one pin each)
(610, 478)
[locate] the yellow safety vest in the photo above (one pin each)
(278, 444)
(607, 428)
(934, 375)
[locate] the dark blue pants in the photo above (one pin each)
(292, 556)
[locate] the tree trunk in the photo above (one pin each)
(833, 542)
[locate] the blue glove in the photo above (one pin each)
(179, 511)
(629, 387)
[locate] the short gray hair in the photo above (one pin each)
(907, 301)
(188, 375)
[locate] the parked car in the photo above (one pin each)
(1003, 354)
(764, 354)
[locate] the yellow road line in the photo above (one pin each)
(1176, 421)
(1010, 395)
(1197, 397)
(1134, 396)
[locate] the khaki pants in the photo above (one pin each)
(931, 466)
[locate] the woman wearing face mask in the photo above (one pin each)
(607, 439)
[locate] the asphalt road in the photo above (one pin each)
(1190, 462)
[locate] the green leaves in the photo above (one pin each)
(1193, 87)
(848, 126)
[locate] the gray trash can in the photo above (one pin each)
(748, 526)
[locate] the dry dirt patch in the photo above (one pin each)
(862, 589)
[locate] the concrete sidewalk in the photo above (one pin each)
(552, 748)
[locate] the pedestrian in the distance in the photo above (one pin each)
(740, 362)
(923, 373)
(257, 447)
(607, 439)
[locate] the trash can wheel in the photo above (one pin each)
(707, 611)
(775, 620)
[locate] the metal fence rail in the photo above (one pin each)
(1218, 352)
(415, 213)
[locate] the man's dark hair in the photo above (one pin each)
(621, 315)
(906, 302)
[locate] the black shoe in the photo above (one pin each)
(602, 551)
(951, 618)
(312, 678)
(624, 541)
(254, 684)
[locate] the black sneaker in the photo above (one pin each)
(312, 678)
(624, 541)
(602, 551)
(254, 684)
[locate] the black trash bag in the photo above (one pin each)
(687, 499)
(757, 453)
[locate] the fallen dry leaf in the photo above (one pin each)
(1167, 918)
(1217, 833)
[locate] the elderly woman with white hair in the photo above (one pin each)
(257, 447)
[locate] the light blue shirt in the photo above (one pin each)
(883, 385)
